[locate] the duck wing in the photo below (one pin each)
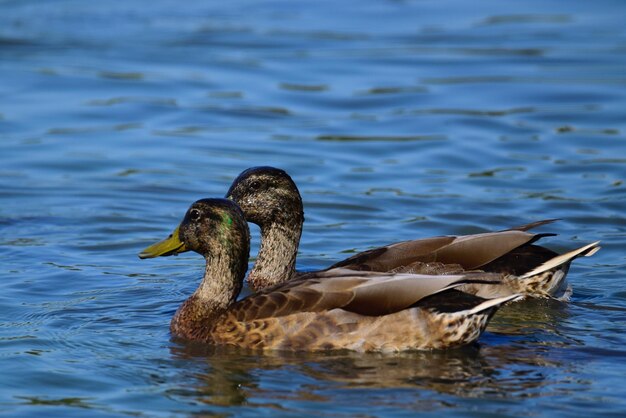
(469, 251)
(365, 293)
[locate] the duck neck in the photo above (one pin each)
(221, 283)
(276, 261)
(220, 286)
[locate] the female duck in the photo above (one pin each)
(336, 309)
(270, 199)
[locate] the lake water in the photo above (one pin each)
(398, 120)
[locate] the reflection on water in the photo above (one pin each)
(546, 315)
(509, 371)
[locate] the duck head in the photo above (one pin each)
(267, 195)
(212, 228)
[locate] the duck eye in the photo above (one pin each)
(255, 185)
(194, 214)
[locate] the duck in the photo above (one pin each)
(270, 199)
(336, 309)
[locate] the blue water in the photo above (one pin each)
(397, 119)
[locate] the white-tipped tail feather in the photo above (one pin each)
(490, 303)
(585, 251)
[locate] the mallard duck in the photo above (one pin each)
(335, 309)
(270, 198)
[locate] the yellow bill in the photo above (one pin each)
(171, 245)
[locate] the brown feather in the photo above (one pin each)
(422, 327)
(469, 251)
(371, 294)
(532, 225)
(520, 260)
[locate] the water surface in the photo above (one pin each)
(397, 119)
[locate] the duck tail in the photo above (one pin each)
(586, 251)
(496, 302)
